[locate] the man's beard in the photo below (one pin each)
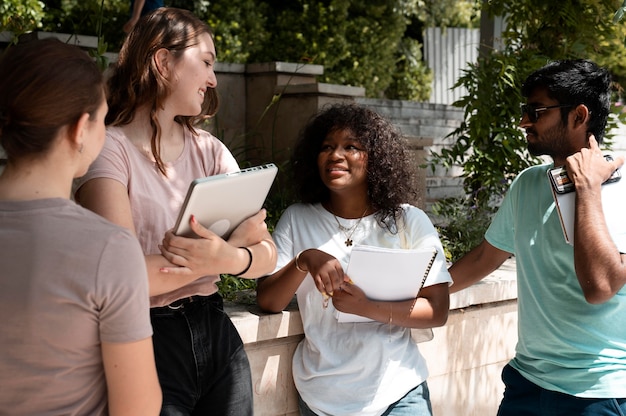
(553, 142)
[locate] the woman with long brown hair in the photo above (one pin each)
(162, 85)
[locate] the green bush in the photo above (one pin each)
(358, 44)
(489, 144)
(368, 44)
(412, 79)
(21, 16)
(464, 226)
(103, 18)
(239, 25)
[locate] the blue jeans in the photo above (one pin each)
(523, 398)
(202, 366)
(415, 403)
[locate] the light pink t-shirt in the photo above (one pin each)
(156, 199)
(69, 280)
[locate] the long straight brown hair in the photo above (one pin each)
(136, 81)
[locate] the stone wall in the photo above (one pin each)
(464, 358)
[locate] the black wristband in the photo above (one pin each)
(249, 262)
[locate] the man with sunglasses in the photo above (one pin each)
(571, 353)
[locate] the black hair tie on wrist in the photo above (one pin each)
(249, 262)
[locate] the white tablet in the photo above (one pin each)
(221, 202)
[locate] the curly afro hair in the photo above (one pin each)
(390, 172)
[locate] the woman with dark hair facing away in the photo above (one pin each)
(162, 84)
(352, 173)
(75, 335)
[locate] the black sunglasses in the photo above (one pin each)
(534, 112)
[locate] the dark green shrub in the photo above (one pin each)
(412, 79)
(358, 43)
(366, 44)
(103, 18)
(464, 227)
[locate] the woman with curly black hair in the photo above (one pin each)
(353, 174)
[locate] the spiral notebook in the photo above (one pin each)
(387, 274)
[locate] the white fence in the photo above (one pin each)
(447, 53)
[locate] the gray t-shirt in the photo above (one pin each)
(69, 280)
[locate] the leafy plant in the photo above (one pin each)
(375, 45)
(447, 13)
(411, 80)
(235, 289)
(21, 16)
(488, 144)
(101, 18)
(465, 225)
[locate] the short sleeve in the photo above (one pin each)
(421, 233)
(122, 291)
(283, 238)
(501, 231)
(111, 163)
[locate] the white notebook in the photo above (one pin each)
(387, 274)
(613, 203)
(222, 202)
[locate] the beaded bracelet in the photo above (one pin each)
(249, 262)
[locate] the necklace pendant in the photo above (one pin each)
(348, 242)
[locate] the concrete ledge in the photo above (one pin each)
(84, 41)
(464, 358)
(499, 286)
(285, 68)
(255, 325)
(319, 88)
(227, 67)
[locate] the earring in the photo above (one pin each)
(80, 149)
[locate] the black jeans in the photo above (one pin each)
(202, 366)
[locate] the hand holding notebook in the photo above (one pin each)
(613, 196)
(387, 274)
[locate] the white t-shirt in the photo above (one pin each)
(352, 368)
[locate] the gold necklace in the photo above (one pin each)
(348, 231)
